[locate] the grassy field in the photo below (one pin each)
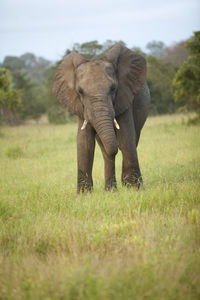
(101, 245)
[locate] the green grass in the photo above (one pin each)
(101, 245)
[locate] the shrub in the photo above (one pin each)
(14, 152)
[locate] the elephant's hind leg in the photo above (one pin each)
(141, 105)
(127, 140)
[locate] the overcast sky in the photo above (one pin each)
(48, 27)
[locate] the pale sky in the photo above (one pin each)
(48, 27)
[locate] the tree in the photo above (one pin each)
(88, 49)
(159, 78)
(29, 60)
(176, 54)
(29, 73)
(12, 63)
(33, 98)
(36, 68)
(187, 80)
(10, 100)
(93, 48)
(156, 48)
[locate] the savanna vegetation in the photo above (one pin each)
(173, 78)
(55, 244)
(187, 78)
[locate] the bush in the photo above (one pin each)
(186, 82)
(57, 115)
(10, 100)
(14, 152)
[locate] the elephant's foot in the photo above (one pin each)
(132, 180)
(85, 183)
(111, 185)
(81, 188)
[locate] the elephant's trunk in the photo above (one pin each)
(103, 123)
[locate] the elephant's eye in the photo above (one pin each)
(80, 91)
(113, 88)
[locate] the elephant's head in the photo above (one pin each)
(100, 89)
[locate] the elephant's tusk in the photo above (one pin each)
(116, 124)
(84, 125)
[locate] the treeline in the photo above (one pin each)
(173, 78)
(27, 76)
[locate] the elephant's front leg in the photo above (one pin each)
(109, 168)
(85, 157)
(126, 136)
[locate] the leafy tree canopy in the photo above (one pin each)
(35, 67)
(156, 48)
(176, 54)
(4, 79)
(93, 48)
(187, 80)
(10, 100)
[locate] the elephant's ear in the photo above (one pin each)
(131, 73)
(64, 83)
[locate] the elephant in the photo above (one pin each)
(111, 98)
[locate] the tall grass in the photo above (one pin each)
(101, 245)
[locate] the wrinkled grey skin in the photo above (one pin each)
(99, 91)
